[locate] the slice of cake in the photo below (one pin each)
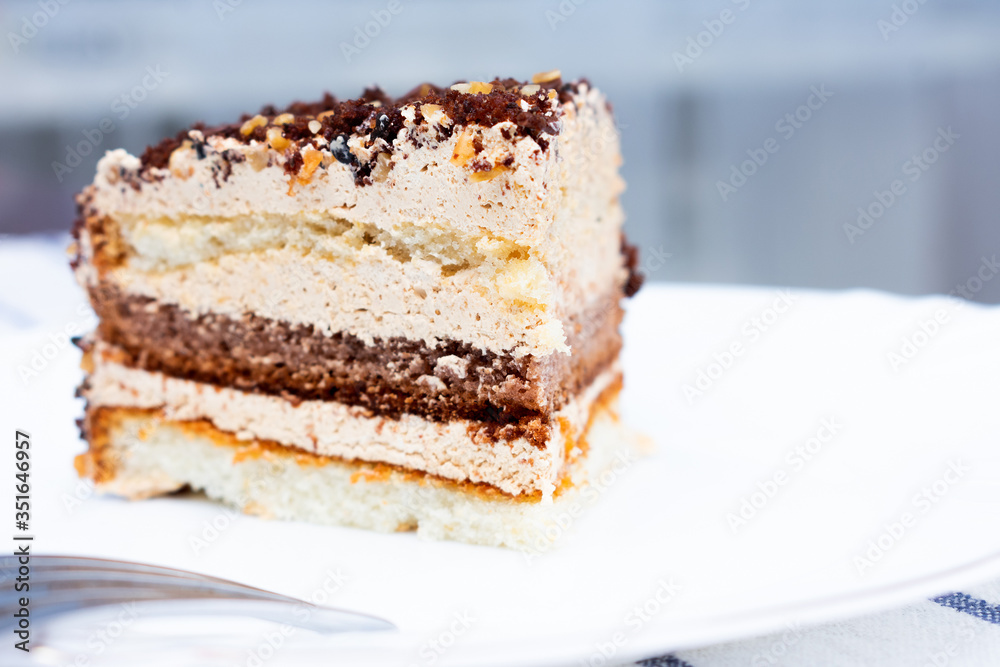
(386, 313)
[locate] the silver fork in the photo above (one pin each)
(59, 585)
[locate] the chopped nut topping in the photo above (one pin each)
(276, 140)
(545, 77)
(480, 176)
(465, 149)
(252, 124)
(257, 157)
(310, 160)
(174, 162)
(552, 94)
(382, 166)
(521, 104)
(434, 114)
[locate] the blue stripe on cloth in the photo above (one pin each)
(663, 661)
(963, 602)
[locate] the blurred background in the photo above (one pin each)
(809, 144)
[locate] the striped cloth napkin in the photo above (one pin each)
(952, 630)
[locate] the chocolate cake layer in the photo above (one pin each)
(395, 376)
(515, 457)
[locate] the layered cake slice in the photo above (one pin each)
(385, 313)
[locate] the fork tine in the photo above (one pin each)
(90, 595)
(55, 561)
(63, 579)
(66, 584)
(318, 619)
(64, 572)
(63, 563)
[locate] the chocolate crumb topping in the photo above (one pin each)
(294, 162)
(377, 119)
(387, 378)
(635, 276)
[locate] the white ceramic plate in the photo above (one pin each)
(656, 564)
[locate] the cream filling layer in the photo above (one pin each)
(419, 283)
(420, 180)
(454, 450)
(424, 253)
(368, 294)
